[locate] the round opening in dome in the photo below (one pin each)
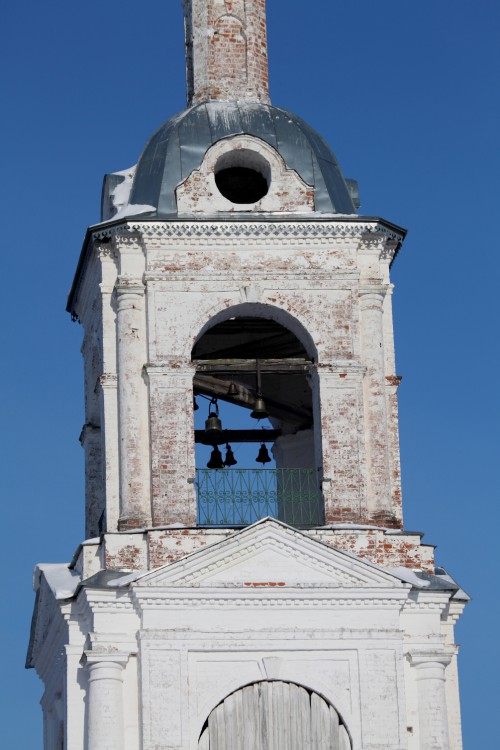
(242, 176)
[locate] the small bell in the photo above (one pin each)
(213, 426)
(263, 457)
(259, 409)
(232, 390)
(230, 459)
(215, 461)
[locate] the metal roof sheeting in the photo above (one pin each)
(179, 147)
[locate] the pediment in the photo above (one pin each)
(273, 555)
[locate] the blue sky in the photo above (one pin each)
(406, 93)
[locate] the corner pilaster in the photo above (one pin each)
(105, 700)
(432, 709)
(135, 491)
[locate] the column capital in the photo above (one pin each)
(129, 285)
(173, 366)
(373, 291)
(108, 380)
(92, 659)
(426, 659)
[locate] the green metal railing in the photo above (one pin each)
(239, 497)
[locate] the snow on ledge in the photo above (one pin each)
(408, 576)
(62, 581)
(132, 209)
(125, 580)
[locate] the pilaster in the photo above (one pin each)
(172, 442)
(108, 384)
(91, 441)
(433, 716)
(344, 470)
(105, 700)
(135, 492)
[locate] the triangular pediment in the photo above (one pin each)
(273, 555)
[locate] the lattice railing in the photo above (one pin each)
(239, 497)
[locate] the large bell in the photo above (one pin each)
(259, 409)
(229, 459)
(213, 426)
(263, 457)
(215, 461)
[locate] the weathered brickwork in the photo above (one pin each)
(328, 288)
(151, 549)
(287, 192)
(381, 547)
(227, 50)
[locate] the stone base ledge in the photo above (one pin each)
(148, 549)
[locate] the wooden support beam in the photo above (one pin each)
(241, 436)
(244, 396)
(222, 366)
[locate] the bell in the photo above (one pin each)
(230, 459)
(213, 429)
(215, 461)
(213, 425)
(195, 405)
(259, 409)
(263, 457)
(232, 390)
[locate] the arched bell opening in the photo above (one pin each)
(277, 714)
(258, 450)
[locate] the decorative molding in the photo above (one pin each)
(425, 606)
(424, 657)
(389, 250)
(268, 544)
(111, 606)
(217, 601)
(108, 380)
(299, 278)
(377, 290)
(129, 285)
(393, 380)
(104, 657)
(342, 578)
(266, 230)
(105, 250)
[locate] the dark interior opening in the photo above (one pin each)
(227, 354)
(241, 184)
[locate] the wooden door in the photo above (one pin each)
(274, 716)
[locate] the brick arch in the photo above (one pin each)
(265, 311)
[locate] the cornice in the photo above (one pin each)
(168, 639)
(271, 229)
(267, 230)
(424, 657)
(426, 601)
(217, 598)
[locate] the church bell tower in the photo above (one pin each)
(246, 580)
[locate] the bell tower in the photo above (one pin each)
(245, 562)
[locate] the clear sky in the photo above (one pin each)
(407, 95)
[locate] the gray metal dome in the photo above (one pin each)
(179, 146)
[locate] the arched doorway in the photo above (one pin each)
(274, 715)
(242, 363)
